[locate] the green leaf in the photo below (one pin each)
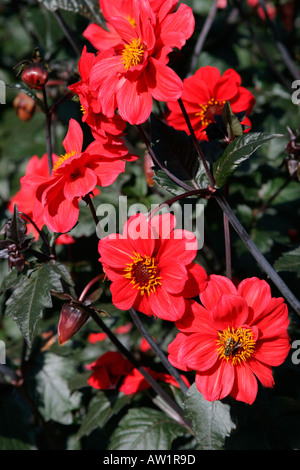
(231, 122)
(48, 384)
(289, 261)
(101, 408)
(145, 429)
(166, 183)
(239, 150)
(31, 297)
(211, 421)
(86, 8)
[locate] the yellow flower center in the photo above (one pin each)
(62, 159)
(235, 345)
(132, 53)
(131, 21)
(143, 273)
(209, 110)
(82, 109)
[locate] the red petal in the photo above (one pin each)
(80, 184)
(231, 310)
(116, 252)
(216, 383)
(163, 82)
(100, 38)
(167, 306)
(134, 101)
(123, 294)
(74, 138)
(245, 386)
(173, 275)
(216, 286)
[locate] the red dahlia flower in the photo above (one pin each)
(151, 266)
(204, 95)
(100, 124)
(25, 197)
(233, 339)
(74, 175)
(113, 371)
(103, 39)
(107, 370)
(132, 73)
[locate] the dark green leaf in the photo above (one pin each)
(289, 261)
(101, 408)
(16, 230)
(239, 150)
(231, 122)
(211, 421)
(145, 429)
(31, 297)
(86, 8)
(166, 183)
(11, 280)
(48, 383)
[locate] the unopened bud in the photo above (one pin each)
(72, 318)
(35, 75)
(24, 106)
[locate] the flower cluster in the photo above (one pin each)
(131, 68)
(231, 336)
(74, 175)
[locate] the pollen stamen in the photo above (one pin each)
(143, 273)
(132, 53)
(235, 345)
(209, 110)
(62, 159)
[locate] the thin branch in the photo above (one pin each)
(159, 390)
(285, 55)
(174, 372)
(196, 143)
(66, 30)
(155, 159)
(256, 253)
(89, 285)
(48, 132)
(203, 35)
(260, 46)
(227, 246)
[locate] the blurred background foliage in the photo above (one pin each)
(56, 408)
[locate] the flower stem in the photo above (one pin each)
(89, 285)
(203, 35)
(256, 253)
(48, 132)
(174, 372)
(155, 159)
(196, 143)
(89, 201)
(159, 390)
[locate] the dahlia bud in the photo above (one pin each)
(24, 106)
(148, 164)
(35, 75)
(72, 318)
